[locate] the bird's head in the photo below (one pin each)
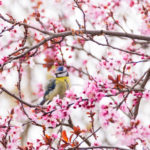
(61, 72)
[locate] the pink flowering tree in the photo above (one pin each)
(105, 46)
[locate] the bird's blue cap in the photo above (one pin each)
(60, 68)
(61, 71)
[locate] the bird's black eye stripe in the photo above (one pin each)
(60, 72)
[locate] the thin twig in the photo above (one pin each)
(131, 89)
(87, 138)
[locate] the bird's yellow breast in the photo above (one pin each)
(64, 80)
(61, 85)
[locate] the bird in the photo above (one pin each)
(57, 86)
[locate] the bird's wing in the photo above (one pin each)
(50, 87)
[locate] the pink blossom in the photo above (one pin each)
(40, 92)
(100, 96)
(146, 95)
(70, 94)
(85, 62)
(1, 62)
(54, 136)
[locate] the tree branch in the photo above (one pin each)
(102, 147)
(139, 99)
(82, 31)
(17, 98)
(131, 89)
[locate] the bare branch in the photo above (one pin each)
(102, 147)
(82, 31)
(17, 98)
(139, 99)
(132, 88)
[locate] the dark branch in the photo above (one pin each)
(82, 31)
(17, 98)
(102, 147)
(139, 99)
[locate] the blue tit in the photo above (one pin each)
(57, 85)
